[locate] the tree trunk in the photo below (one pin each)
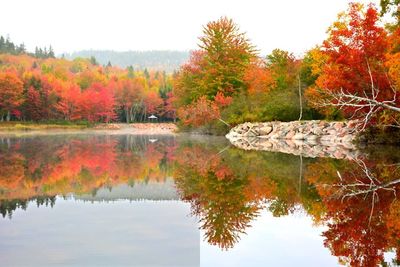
(131, 114)
(301, 102)
(8, 116)
(127, 114)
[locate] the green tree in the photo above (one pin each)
(93, 61)
(228, 53)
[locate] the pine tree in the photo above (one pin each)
(131, 73)
(93, 61)
(51, 52)
(146, 74)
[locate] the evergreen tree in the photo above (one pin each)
(131, 73)
(21, 49)
(146, 74)
(2, 44)
(51, 52)
(93, 61)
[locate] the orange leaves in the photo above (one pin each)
(215, 72)
(393, 64)
(153, 103)
(127, 91)
(358, 60)
(59, 89)
(227, 54)
(199, 113)
(258, 78)
(36, 167)
(10, 92)
(222, 101)
(355, 42)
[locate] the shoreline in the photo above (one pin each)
(106, 128)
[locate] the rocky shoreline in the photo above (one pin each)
(308, 138)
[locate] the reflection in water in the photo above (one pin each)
(227, 188)
(356, 200)
(59, 165)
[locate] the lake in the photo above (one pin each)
(88, 199)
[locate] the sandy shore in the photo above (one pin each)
(139, 128)
(106, 128)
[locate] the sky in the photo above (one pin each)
(121, 25)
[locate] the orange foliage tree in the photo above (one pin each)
(11, 88)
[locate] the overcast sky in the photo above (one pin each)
(71, 25)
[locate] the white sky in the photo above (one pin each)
(71, 25)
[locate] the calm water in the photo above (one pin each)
(121, 200)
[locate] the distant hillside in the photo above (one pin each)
(157, 60)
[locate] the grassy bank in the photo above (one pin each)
(32, 126)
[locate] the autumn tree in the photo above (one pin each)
(284, 100)
(354, 77)
(153, 103)
(199, 113)
(218, 67)
(11, 88)
(128, 94)
(228, 52)
(97, 104)
(169, 108)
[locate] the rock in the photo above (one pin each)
(290, 134)
(312, 138)
(299, 136)
(314, 132)
(266, 130)
(338, 126)
(266, 144)
(331, 132)
(317, 131)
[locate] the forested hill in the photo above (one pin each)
(156, 60)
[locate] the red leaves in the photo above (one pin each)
(97, 104)
(153, 103)
(169, 109)
(199, 113)
(258, 78)
(58, 89)
(222, 101)
(128, 91)
(359, 62)
(355, 42)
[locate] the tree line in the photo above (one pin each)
(44, 88)
(354, 73)
(7, 46)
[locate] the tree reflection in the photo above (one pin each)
(217, 195)
(361, 203)
(356, 200)
(7, 207)
(43, 167)
(226, 187)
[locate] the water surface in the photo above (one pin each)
(122, 200)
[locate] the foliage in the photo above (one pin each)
(47, 89)
(358, 59)
(227, 66)
(217, 70)
(199, 113)
(10, 94)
